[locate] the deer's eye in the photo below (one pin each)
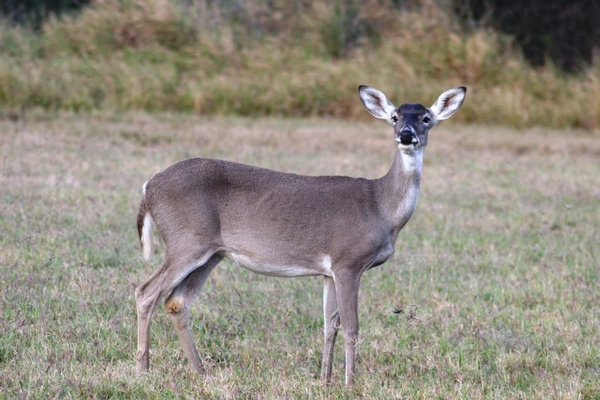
(395, 119)
(426, 120)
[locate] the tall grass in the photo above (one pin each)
(282, 58)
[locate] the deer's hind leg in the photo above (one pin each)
(164, 281)
(178, 306)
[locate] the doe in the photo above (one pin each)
(282, 224)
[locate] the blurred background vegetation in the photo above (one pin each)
(531, 62)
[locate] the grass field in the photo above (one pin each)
(496, 275)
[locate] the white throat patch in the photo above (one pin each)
(412, 160)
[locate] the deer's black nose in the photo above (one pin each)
(406, 139)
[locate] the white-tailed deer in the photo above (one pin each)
(282, 224)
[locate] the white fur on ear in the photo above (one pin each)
(376, 103)
(448, 103)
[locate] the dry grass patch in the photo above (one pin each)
(280, 59)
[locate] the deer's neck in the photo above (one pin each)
(399, 188)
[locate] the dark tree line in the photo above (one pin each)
(34, 12)
(564, 31)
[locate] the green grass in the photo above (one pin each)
(496, 274)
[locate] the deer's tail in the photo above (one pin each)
(144, 225)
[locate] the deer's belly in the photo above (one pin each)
(320, 266)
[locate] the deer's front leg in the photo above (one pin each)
(332, 324)
(346, 286)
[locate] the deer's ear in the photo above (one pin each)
(448, 103)
(376, 103)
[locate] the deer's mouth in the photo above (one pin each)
(404, 143)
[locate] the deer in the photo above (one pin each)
(283, 225)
